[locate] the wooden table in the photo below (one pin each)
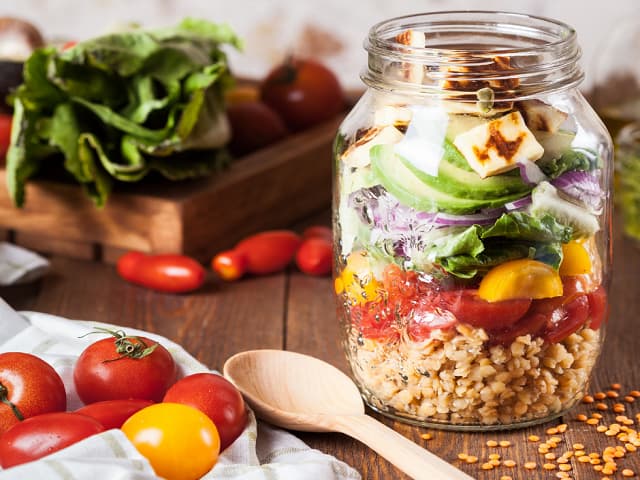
(296, 312)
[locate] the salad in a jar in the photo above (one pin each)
(470, 265)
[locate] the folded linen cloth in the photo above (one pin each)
(261, 452)
(19, 265)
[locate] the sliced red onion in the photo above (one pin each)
(530, 172)
(465, 220)
(518, 204)
(583, 187)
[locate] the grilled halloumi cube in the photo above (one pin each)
(541, 116)
(357, 155)
(496, 146)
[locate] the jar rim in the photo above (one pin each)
(543, 52)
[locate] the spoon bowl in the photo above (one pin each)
(299, 392)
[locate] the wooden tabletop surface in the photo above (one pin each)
(296, 312)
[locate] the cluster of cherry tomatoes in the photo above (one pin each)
(260, 254)
(294, 96)
(126, 382)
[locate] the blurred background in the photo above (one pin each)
(330, 29)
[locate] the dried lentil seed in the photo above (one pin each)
(426, 436)
(530, 465)
(509, 463)
(495, 463)
(581, 417)
(578, 446)
(549, 466)
(504, 443)
(628, 473)
(555, 439)
(587, 399)
(506, 477)
(593, 421)
(630, 447)
(602, 406)
(601, 428)
(580, 453)
(598, 468)
(562, 427)
(492, 443)
(552, 431)
(597, 415)
(583, 459)
(550, 456)
(471, 459)
(487, 466)
(612, 394)
(635, 393)
(629, 399)
(463, 456)
(600, 396)
(619, 408)
(494, 456)
(565, 467)
(534, 438)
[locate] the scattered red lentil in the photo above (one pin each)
(616, 386)
(530, 465)
(509, 463)
(629, 399)
(552, 431)
(581, 417)
(628, 473)
(505, 477)
(504, 443)
(612, 394)
(602, 406)
(471, 459)
(492, 443)
(549, 466)
(426, 436)
(593, 421)
(600, 396)
(487, 466)
(588, 399)
(635, 393)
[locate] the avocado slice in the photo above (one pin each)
(461, 182)
(394, 175)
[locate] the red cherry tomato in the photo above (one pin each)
(29, 386)
(315, 256)
(215, 396)
(425, 318)
(42, 435)
(5, 133)
(469, 308)
(566, 319)
(253, 125)
(169, 273)
(531, 323)
(318, 231)
(598, 307)
(113, 413)
(375, 321)
(303, 92)
(270, 251)
(124, 367)
(68, 45)
(229, 265)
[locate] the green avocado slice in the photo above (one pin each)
(394, 175)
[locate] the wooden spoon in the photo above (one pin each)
(300, 392)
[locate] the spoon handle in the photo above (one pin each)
(409, 457)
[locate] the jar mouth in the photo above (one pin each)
(518, 56)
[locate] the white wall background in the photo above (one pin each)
(333, 28)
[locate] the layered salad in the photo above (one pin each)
(470, 261)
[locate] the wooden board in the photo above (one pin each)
(271, 188)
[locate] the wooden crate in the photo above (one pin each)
(271, 188)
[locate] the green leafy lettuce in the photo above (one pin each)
(117, 107)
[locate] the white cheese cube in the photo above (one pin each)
(357, 155)
(496, 146)
(541, 116)
(392, 115)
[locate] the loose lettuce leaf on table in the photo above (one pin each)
(117, 107)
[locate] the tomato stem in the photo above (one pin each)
(128, 346)
(4, 398)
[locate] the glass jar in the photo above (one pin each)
(471, 217)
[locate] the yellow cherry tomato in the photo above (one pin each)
(180, 442)
(357, 280)
(575, 259)
(522, 278)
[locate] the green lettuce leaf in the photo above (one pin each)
(519, 225)
(117, 107)
(576, 159)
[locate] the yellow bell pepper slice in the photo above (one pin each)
(357, 281)
(523, 278)
(575, 259)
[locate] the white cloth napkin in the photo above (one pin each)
(262, 452)
(19, 265)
